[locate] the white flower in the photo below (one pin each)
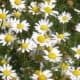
(74, 73)
(6, 24)
(48, 9)
(7, 38)
(40, 39)
(19, 26)
(61, 36)
(26, 45)
(77, 27)
(42, 75)
(6, 72)
(53, 56)
(18, 4)
(4, 14)
(5, 60)
(43, 25)
(77, 51)
(64, 66)
(16, 14)
(64, 17)
(34, 8)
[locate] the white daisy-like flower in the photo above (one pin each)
(7, 38)
(43, 25)
(18, 4)
(74, 73)
(64, 17)
(6, 24)
(64, 66)
(16, 14)
(77, 27)
(77, 51)
(34, 8)
(26, 45)
(53, 56)
(6, 72)
(5, 60)
(48, 9)
(42, 75)
(19, 26)
(4, 14)
(61, 36)
(40, 39)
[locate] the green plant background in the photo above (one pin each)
(24, 61)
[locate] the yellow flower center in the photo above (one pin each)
(49, 48)
(7, 72)
(41, 38)
(20, 26)
(41, 76)
(17, 14)
(38, 72)
(8, 38)
(78, 51)
(48, 10)
(24, 45)
(48, 1)
(5, 24)
(76, 72)
(17, 2)
(44, 27)
(35, 9)
(64, 18)
(61, 36)
(52, 55)
(64, 66)
(4, 61)
(3, 16)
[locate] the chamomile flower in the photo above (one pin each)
(64, 17)
(16, 14)
(61, 36)
(53, 56)
(18, 4)
(6, 72)
(4, 14)
(43, 25)
(19, 26)
(6, 24)
(74, 73)
(40, 39)
(5, 60)
(77, 51)
(77, 27)
(42, 75)
(48, 9)
(64, 66)
(26, 45)
(34, 8)
(7, 38)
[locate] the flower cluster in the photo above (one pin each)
(41, 40)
